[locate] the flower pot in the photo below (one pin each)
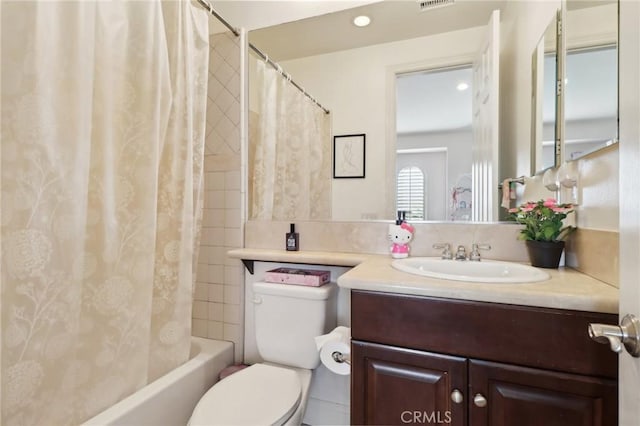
(545, 254)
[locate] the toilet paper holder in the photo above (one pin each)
(340, 358)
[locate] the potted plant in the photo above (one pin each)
(543, 232)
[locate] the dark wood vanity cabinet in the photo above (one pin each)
(422, 360)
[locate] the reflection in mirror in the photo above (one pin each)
(544, 118)
(591, 82)
(352, 72)
(434, 138)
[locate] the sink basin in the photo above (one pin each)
(485, 271)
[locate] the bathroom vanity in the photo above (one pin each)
(418, 359)
(429, 351)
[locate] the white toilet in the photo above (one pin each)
(274, 392)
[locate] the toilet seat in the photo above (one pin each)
(260, 394)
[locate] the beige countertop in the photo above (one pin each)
(566, 289)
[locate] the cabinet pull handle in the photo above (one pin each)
(479, 400)
(456, 396)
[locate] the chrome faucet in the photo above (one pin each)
(475, 251)
(461, 253)
(446, 252)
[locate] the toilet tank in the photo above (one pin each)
(289, 317)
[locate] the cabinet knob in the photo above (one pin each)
(456, 396)
(479, 400)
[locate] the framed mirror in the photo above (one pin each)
(591, 77)
(545, 123)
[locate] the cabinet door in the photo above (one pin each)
(396, 386)
(532, 397)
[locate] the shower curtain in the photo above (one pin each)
(290, 155)
(103, 114)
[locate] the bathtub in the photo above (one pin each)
(170, 400)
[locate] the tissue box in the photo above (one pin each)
(294, 276)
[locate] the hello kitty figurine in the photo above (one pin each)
(400, 236)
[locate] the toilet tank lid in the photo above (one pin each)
(297, 291)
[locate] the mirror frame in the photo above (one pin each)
(536, 98)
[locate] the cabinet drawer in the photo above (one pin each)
(552, 339)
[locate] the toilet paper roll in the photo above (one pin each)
(337, 342)
(328, 360)
(339, 333)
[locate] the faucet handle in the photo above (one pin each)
(446, 250)
(475, 251)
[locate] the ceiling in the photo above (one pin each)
(391, 20)
(431, 102)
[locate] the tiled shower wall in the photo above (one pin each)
(218, 302)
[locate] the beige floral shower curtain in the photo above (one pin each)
(290, 155)
(103, 109)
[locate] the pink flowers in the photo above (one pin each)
(542, 220)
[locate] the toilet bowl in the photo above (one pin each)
(262, 394)
(275, 391)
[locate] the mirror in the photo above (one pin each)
(348, 70)
(544, 121)
(433, 143)
(591, 77)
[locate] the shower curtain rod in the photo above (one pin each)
(210, 9)
(277, 67)
(287, 76)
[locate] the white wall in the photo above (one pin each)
(353, 85)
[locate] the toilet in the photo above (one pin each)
(275, 391)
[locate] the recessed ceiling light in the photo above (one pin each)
(361, 21)
(462, 86)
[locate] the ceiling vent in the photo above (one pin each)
(432, 4)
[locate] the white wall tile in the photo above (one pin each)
(231, 295)
(217, 216)
(232, 199)
(219, 254)
(232, 180)
(200, 310)
(232, 275)
(216, 311)
(232, 238)
(216, 274)
(232, 218)
(216, 199)
(217, 236)
(216, 293)
(199, 327)
(201, 291)
(233, 332)
(215, 330)
(232, 314)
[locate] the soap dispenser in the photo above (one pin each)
(400, 234)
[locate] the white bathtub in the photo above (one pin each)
(170, 400)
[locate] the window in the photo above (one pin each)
(411, 196)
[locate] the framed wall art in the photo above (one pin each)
(349, 156)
